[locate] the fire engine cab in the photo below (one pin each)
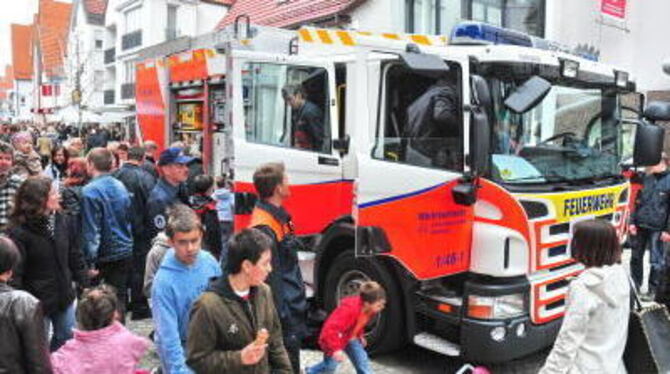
(449, 169)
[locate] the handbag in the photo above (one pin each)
(648, 344)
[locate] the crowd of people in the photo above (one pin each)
(95, 232)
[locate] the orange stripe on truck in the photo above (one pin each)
(305, 35)
(325, 36)
(345, 38)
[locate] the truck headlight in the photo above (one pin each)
(496, 307)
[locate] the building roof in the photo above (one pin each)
(287, 13)
(22, 51)
(53, 22)
(95, 11)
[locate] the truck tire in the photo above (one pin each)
(385, 333)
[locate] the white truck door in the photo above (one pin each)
(408, 163)
(284, 110)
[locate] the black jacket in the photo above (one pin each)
(23, 344)
(652, 206)
(205, 207)
(49, 265)
(71, 200)
(150, 167)
(139, 184)
(432, 117)
(285, 280)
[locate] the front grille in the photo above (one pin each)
(534, 209)
(558, 250)
(556, 285)
(562, 228)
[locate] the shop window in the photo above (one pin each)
(287, 106)
(423, 120)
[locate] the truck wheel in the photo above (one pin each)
(346, 274)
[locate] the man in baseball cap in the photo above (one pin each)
(172, 165)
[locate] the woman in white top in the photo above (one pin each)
(593, 336)
(58, 165)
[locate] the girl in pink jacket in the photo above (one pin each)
(103, 345)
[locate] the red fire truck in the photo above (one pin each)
(467, 229)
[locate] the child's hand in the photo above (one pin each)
(364, 342)
(338, 356)
(252, 353)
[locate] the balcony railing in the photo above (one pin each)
(109, 97)
(128, 91)
(131, 40)
(110, 55)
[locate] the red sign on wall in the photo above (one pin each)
(614, 8)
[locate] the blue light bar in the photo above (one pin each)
(479, 33)
(468, 33)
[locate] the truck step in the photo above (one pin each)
(437, 344)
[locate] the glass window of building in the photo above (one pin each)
(440, 16)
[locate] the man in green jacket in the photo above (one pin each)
(234, 325)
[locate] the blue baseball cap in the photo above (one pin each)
(174, 155)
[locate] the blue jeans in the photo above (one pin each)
(652, 239)
(62, 323)
(355, 352)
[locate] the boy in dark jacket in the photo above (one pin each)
(344, 330)
(201, 201)
(288, 288)
(649, 225)
(234, 326)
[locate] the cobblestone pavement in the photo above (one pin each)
(411, 359)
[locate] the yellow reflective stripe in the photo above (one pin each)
(345, 38)
(420, 39)
(391, 36)
(365, 33)
(305, 35)
(325, 37)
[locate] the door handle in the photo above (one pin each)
(328, 161)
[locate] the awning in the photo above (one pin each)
(71, 114)
(114, 117)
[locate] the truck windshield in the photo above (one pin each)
(571, 136)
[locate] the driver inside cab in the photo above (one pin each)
(306, 119)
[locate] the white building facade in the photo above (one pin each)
(84, 66)
(132, 25)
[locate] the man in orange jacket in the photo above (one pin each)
(286, 282)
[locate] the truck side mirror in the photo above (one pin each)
(528, 95)
(648, 144)
(465, 193)
(480, 126)
(657, 111)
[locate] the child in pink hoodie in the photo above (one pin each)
(103, 345)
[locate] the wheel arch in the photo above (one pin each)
(341, 236)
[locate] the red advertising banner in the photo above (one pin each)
(614, 8)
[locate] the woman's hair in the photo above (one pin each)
(31, 199)
(96, 308)
(76, 172)
(595, 243)
(57, 149)
(9, 255)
